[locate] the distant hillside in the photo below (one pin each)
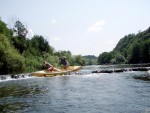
(132, 48)
(90, 59)
(127, 41)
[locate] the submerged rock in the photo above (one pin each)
(94, 72)
(15, 76)
(105, 71)
(3, 77)
(119, 70)
(30, 75)
(22, 76)
(122, 70)
(140, 69)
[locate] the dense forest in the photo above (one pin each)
(20, 54)
(131, 49)
(90, 59)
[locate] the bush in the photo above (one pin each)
(10, 61)
(33, 63)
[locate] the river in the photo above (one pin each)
(125, 92)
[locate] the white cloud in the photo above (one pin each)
(30, 33)
(57, 39)
(98, 26)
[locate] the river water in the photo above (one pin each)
(126, 92)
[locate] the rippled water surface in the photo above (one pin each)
(127, 92)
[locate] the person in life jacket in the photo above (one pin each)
(64, 62)
(48, 66)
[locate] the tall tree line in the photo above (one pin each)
(20, 54)
(131, 49)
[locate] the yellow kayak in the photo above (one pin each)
(56, 72)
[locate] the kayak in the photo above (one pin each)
(44, 73)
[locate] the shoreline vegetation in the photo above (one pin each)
(131, 49)
(20, 54)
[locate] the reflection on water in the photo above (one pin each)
(126, 92)
(17, 95)
(13, 107)
(19, 91)
(145, 77)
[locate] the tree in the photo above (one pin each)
(5, 31)
(90, 59)
(19, 29)
(119, 59)
(125, 42)
(10, 61)
(79, 60)
(104, 58)
(41, 45)
(135, 48)
(145, 52)
(19, 41)
(135, 54)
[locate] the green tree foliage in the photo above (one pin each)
(135, 53)
(133, 48)
(125, 42)
(145, 51)
(104, 58)
(68, 56)
(19, 54)
(10, 61)
(90, 60)
(5, 31)
(40, 45)
(79, 60)
(54, 60)
(119, 59)
(19, 29)
(19, 41)
(33, 63)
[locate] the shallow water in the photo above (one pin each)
(127, 92)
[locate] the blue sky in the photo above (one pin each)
(85, 27)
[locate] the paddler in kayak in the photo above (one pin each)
(64, 62)
(49, 66)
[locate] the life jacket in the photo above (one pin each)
(63, 61)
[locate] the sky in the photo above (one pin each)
(83, 27)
